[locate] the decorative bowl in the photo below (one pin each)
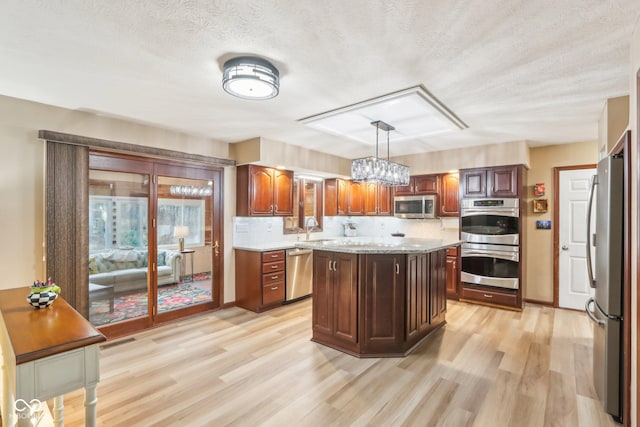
(42, 297)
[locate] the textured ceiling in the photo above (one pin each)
(534, 70)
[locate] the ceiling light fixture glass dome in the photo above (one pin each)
(248, 77)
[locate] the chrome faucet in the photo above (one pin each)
(309, 228)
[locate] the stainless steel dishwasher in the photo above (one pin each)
(299, 273)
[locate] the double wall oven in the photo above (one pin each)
(491, 252)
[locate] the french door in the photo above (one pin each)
(155, 230)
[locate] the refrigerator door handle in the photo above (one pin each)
(590, 313)
(594, 182)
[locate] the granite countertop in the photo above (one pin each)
(267, 246)
(377, 245)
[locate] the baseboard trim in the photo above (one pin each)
(538, 302)
(228, 305)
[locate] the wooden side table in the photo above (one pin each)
(46, 353)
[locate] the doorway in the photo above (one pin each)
(155, 230)
(573, 185)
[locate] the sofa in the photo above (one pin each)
(126, 268)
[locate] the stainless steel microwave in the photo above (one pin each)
(415, 206)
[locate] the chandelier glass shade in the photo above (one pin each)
(375, 169)
(249, 77)
(190, 191)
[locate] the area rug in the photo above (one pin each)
(134, 305)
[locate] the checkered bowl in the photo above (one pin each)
(40, 300)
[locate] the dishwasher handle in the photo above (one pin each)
(298, 252)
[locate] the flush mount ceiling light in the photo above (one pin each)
(248, 77)
(375, 169)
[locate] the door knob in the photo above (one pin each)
(565, 247)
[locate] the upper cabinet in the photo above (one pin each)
(419, 185)
(335, 196)
(449, 195)
(503, 181)
(377, 199)
(263, 191)
(344, 197)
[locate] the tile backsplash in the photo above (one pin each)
(252, 231)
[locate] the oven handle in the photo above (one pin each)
(479, 253)
(514, 213)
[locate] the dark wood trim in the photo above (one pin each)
(539, 302)
(105, 144)
(556, 229)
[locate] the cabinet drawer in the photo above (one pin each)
(268, 267)
(272, 256)
(272, 278)
(489, 296)
(273, 293)
(452, 251)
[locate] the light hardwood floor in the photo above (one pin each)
(486, 367)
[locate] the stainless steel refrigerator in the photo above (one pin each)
(605, 308)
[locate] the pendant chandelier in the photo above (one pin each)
(375, 169)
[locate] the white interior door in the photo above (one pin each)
(574, 289)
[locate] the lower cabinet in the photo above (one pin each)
(260, 279)
(491, 296)
(335, 298)
(453, 273)
(383, 300)
(371, 305)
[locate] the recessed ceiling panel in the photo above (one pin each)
(414, 112)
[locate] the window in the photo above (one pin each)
(116, 221)
(308, 202)
(181, 212)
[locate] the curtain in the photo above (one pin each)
(66, 217)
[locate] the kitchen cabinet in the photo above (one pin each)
(438, 291)
(384, 283)
(417, 296)
(260, 279)
(335, 298)
(496, 297)
(453, 273)
(336, 192)
(263, 191)
(345, 197)
(355, 197)
(419, 185)
(449, 205)
(377, 199)
(377, 304)
(503, 181)
(385, 200)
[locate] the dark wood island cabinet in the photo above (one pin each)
(370, 304)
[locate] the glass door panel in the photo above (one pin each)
(118, 246)
(184, 243)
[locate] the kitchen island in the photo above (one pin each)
(378, 297)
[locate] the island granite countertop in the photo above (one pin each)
(379, 245)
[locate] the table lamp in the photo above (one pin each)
(181, 231)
